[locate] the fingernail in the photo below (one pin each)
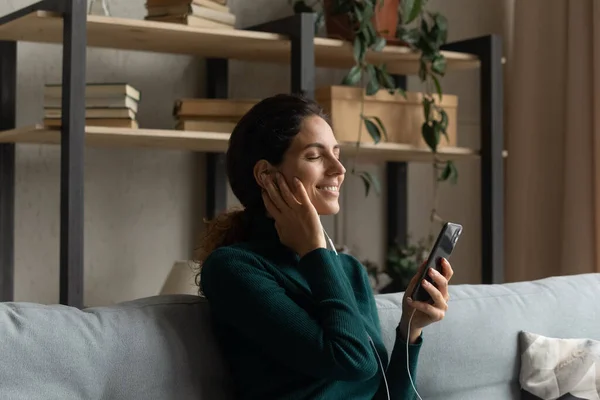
(409, 299)
(425, 282)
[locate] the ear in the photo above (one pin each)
(261, 169)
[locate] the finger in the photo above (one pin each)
(286, 193)
(415, 278)
(274, 194)
(433, 312)
(269, 205)
(301, 193)
(436, 295)
(440, 281)
(447, 269)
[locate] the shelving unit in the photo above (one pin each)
(289, 41)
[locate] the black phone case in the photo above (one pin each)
(443, 247)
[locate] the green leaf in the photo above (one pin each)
(370, 181)
(427, 102)
(373, 84)
(428, 133)
(379, 124)
(437, 131)
(438, 87)
(358, 14)
(441, 25)
(373, 130)
(439, 64)
(422, 70)
(449, 173)
(372, 87)
(444, 121)
(410, 10)
(385, 80)
(379, 43)
(353, 77)
(359, 48)
(410, 36)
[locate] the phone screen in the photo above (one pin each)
(443, 247)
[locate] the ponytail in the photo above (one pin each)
(225, 229)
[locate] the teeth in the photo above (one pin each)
(331, 188)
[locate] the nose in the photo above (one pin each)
(336, 167)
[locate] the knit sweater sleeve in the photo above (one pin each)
(330, 343)
(397, 378)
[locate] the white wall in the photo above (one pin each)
(139, 204)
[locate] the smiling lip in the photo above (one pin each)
(329, 189)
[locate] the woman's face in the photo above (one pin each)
(313, 157)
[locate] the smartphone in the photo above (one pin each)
(443, 247)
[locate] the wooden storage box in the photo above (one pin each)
(401, 117)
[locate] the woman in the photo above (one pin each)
(295, 319)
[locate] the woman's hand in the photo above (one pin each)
(425, 313)
(296, 219)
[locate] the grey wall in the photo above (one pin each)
(141, 206)
(139, 203)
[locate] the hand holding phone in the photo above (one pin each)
(443, 247)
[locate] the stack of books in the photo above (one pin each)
(106, 104)
(210, 115)
(197, 13)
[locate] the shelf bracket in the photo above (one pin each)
(300, 28)
(489, 50)
(8, 90)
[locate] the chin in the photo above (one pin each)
(328, 209)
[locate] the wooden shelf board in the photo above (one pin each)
(142, 35)
(216, 142)
(125, 137)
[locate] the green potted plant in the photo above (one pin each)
(423, 31)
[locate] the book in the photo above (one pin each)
(107, 122)
(97, 102)
(186, 8)
(190, 20)
(95, 113)
(225, 108)
(98, 90)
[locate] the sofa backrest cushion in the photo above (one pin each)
(155, 348)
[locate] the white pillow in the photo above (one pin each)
(553, 368)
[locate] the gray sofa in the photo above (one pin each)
(162, 347)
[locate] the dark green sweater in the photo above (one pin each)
(299, 328)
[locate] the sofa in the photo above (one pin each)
(162, 347)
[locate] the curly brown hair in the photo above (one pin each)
(265, 132)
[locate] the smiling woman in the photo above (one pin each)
(295, 319)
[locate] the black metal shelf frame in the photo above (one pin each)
(299, 28)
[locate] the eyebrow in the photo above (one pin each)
(320, 146)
